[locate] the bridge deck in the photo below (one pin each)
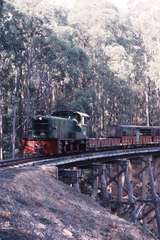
(103, 156)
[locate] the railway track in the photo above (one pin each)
(20, 161)
(34, 160)
(74, 159)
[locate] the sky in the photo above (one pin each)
(70, 3)
(67, 3)
(122, 4)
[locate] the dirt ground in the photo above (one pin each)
(34, 205)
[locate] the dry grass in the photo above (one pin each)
(33, 205)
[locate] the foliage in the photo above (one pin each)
(88, 58)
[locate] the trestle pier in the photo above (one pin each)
(129, 187)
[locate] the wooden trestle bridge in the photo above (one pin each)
(125, 180)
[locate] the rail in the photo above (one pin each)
(81, 159)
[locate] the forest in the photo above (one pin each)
(91, 58)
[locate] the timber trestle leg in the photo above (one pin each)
(129, 187)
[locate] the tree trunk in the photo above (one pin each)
(20, 93)
(14, 116)
(14, 132)
(1, 132)
(147, 108)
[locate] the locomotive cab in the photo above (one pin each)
(80, 119)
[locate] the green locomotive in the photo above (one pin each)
(58, 127)
(60, 132)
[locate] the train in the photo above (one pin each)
(65, 132)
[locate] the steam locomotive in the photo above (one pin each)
(67, 132)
